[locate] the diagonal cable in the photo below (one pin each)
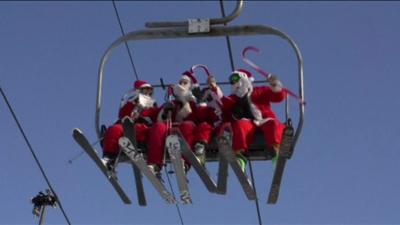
(126, 44)
(228, 42)
(137, 78)
(173, 194)
(255, 191)
(34, 154)
(228, 39)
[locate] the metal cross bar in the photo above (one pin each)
(205, 84)
(236, 12)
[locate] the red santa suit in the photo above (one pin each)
(250, 110)
(208, 115)
(143, 109)
(183, 111)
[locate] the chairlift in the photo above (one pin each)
(219, 150)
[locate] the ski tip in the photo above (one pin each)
(76, 131)
(127, 201)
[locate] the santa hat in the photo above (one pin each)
(189, 76)
(141, 84)
(246, 73)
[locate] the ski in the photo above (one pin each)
(173, 145)
(137, 158)
(139, 186)
(130, 133)
(223, 164)
(201, 171)
(111, 176)
(224, 144)
(284, 153)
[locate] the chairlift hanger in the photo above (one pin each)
(174, 30)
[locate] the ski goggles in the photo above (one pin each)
(234, 78)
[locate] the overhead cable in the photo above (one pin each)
(126, 44)
(228, 42)
(34, 154)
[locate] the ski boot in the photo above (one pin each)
(156, 170)
(275, 148)
(108, 163)
(242, 160)
(200, 152)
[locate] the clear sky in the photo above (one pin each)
(345, 166)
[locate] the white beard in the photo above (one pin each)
(242, 87)
(145, 101)
(183, 93)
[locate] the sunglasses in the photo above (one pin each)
(234, 78)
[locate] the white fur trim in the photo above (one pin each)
(184, 77)
(261, 122)
(183, 112)
(254, 110)
(258, 119)
(145, 85)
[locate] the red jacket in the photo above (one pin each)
(149, 114)
(259, 104)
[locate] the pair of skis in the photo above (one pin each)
(227, 156)
(128, 146)
(175, 144)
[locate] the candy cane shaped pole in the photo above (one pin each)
(251, 63)
(262, 72)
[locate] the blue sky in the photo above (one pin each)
(345, 166)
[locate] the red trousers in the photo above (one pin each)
(203, 132)
(157, 136)
(243, 133)
(113, 133)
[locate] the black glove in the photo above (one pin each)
(196, 93)
(169, 106)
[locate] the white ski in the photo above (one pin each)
(285, 152)
(130, 133)
(137, 159)
(225, 150)
(111, 177)
(201, 171)
(174, 147)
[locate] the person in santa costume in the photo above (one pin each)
(181, 110)
(208, 116)
(142, 108)
(249, 109)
